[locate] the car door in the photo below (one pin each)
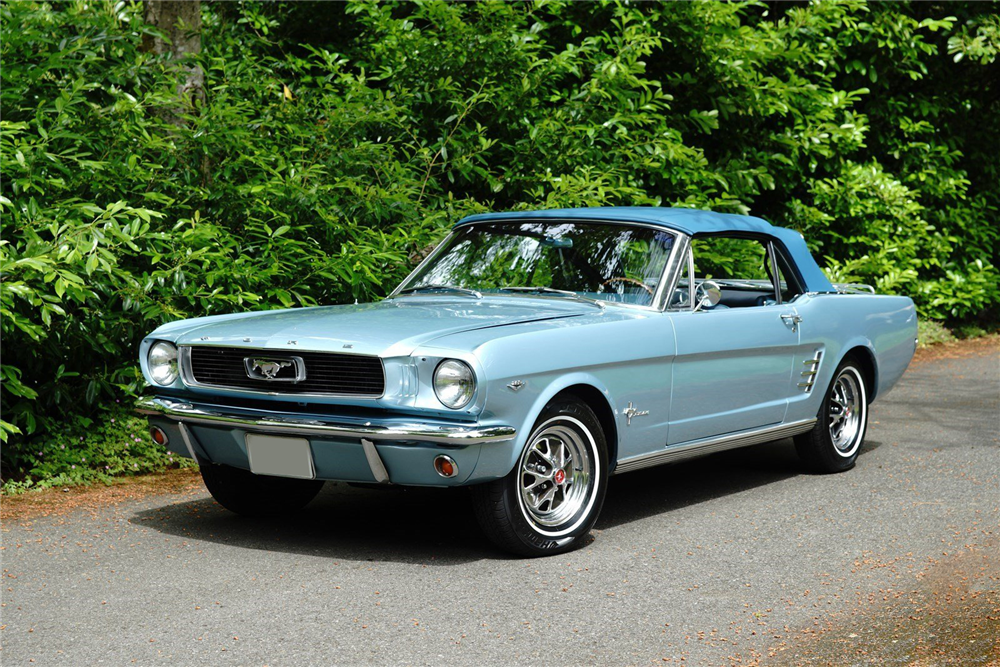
(732, 370)
(733, 366)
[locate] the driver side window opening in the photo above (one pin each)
(751, 273)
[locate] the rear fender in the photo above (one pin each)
(861, 345)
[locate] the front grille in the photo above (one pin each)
(326, 373)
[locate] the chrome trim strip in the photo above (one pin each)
(379, 472)
(431, 255)
(186, 437)
(187, 377)
(668, 275)
(675, 269)
(693, 284)
(775, 274)
(809, 375)
(448, 434)
(853, 288)
(715, 444)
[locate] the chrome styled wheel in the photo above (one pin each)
(846, 412)
(557, 474)
(553, 494)
(834, 442)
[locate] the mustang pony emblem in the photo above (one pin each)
(270, 369)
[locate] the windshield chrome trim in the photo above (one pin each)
(431, 255)
(464, 291)
(674, 269)
(656, 303)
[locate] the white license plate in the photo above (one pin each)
(283, 457)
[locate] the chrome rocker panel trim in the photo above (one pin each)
(189, 413)
(715, 444)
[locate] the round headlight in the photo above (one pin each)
(454, 383)
(162, 360)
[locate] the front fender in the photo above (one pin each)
(498, 461)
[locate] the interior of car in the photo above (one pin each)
(749, 272)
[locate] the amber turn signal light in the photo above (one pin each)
(445, 466)
(158, 435)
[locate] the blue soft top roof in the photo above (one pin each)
(690, 221)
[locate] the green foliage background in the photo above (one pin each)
(336, 142)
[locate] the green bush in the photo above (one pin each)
(336, 142)
(116, 220)
(86, 451)
(931, 333)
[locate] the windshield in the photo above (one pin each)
(609, 262)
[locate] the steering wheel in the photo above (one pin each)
(622, 279)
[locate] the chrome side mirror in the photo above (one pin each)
(708, 294)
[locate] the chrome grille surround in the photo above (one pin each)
(326, 373)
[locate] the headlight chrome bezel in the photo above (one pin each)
(166, 357)
(460, 375)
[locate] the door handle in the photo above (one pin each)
(793, 319)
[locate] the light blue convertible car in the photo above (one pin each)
(531, 356)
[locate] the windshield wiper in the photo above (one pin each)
(435, 287)
(555, 292)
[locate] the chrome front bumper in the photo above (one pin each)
(445, 433)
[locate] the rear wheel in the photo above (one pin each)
(834, 442)
(548, 503)
(248, 494)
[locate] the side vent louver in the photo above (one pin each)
(809, 374)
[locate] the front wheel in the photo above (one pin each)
(834, 442)
(548, 503)
(245, 493)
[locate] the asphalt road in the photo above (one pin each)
(736, 558)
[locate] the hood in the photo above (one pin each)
(388, 328)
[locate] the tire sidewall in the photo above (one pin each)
(551, 540)
(245, 493)
(838, 459)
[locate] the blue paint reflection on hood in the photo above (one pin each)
(387, 328)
